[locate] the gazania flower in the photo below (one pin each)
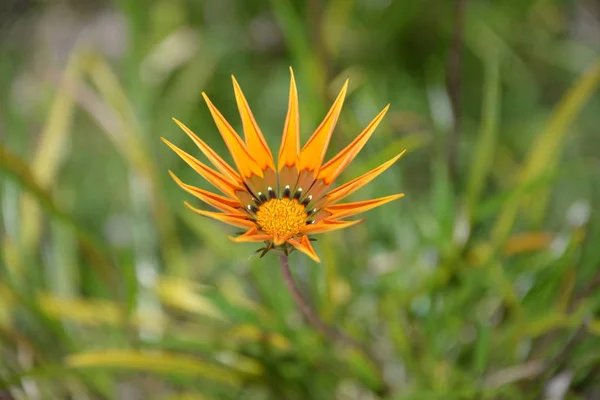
(281, 204)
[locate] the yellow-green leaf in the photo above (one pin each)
(153, 361)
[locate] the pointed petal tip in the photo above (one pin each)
(392, 197)
(346, 83)
(358, 221)
(176, 179)
(350, 187)
(334, 167)
(213, 157)
(254, 139)
(236, 85)
(178, 122)
(396, 158)
(303, 245)
(233, 239)
(344, 210)
(168, 143)
(289, 149)
(246, 238)
(237, 220)
(314, 257)
(344, 88)
(328, 225)
(314, 150)
(250, 236)
(245, 163)
(207, 101)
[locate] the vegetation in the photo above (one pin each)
(482, 283)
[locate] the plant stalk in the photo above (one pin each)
(327, 331)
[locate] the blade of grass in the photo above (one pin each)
(305, 58)
(547, 146)
(154, 361)
(50, 151)
(181, 294)
(137, 154)
(84, 312)
(335, 22)
(90, 245)
(483, 154)
(327, 278)
(62, 269)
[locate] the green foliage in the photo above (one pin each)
(477, 285)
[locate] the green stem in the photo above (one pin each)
(327, 331)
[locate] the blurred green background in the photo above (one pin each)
(482, 283)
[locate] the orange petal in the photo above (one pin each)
(303, 245)
(319, 215)
(238, 220)
(279, 240)
(219, 181)
(349, 209)
(288, 176)
(316, 192)
(327, 225)
(252, 235)
(257, 145)
(355, 184)
(245, 198)
(217, 201)
(314, 150)
(257, 185)
(336, 165)
(213, 157)
(290, 142)
(242, 158)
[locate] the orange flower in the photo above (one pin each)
(281, 205)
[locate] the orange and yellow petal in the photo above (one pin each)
(316, 193)
(217, 201)
(251, 236)
(219, 181)
(235, 219)
(255, 140)
(212, 156)
(328, 225)
(349, 209)
(303, 245)
(333, 168)
(290, 142)
(314, 150)
(355, 184)
(262, 186)
(245, 163)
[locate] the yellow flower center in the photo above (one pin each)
(281, 218)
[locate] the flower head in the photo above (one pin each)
(281, 205)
